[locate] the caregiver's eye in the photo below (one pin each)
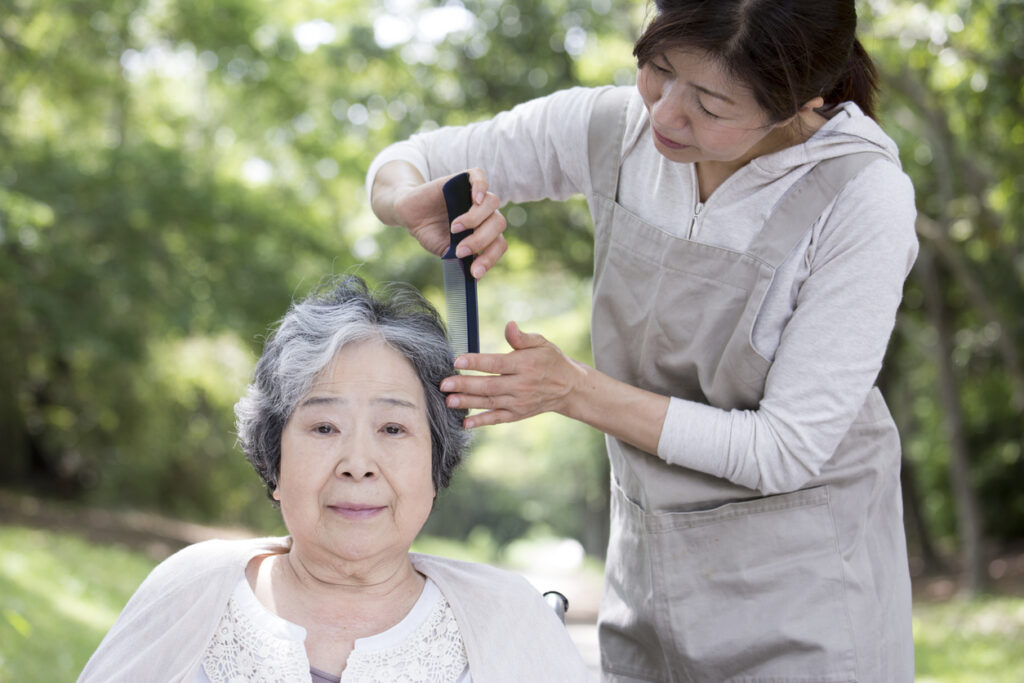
(658, 68)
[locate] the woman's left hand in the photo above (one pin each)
(536, 377)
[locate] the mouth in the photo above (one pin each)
(355, 511)
(671, 144)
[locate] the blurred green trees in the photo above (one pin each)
(172, 173)
(954, 98)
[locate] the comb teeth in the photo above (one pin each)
(455, 306)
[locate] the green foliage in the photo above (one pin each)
(173, 173)
(952, 99)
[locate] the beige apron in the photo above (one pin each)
(707, 580)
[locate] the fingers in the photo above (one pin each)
(479, 214)
(492, 363)
(478, 183)
(485, 203)
(420, 208)
(488, 225)
(485, 221)
(486, 259)
(490, 417)
(518, 339)
(485, 391)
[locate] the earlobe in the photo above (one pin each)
(276, 496)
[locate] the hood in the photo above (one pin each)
(848, 131)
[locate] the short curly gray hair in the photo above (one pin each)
(343, 311)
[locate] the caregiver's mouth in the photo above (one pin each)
(671, 144)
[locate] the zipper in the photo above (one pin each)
(696, 215)
(698, 205)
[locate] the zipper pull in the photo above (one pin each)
(696, 214)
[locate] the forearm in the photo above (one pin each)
(625, 412)
(535, 151)
(389, 181)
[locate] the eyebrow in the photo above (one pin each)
(387, 400)
(711, 93)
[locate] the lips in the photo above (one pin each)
(671, 144)
(355, 511)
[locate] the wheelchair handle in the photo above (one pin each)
(558, 602)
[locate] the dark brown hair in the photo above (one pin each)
(787, 51)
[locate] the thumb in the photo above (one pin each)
(518, 339)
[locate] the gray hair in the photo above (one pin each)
(344, 311)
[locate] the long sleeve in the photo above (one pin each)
(537, 150)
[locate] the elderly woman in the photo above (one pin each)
(346, 425)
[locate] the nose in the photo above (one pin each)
(669, 111)
(356, 459)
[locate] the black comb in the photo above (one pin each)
(459, 285)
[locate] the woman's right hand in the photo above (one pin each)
(401, 197)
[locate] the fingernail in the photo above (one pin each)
(447, 385)
(461, 363)
(458, 227)
(479, 198)
(462, 251)
(468, 424)
(477, 271)
(453, 401)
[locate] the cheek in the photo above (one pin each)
(301, 467)
(417, 487)
(728, 144)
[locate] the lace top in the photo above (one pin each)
(254, 645)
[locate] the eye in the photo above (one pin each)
(393, 429)
(323, 428)
(705, 111)
(658, 68)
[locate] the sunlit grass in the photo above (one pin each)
(59, 594)
(970, 641)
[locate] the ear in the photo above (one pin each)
(812, 104)
(807, 109)
(276, 496)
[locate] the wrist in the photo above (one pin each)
(394, 180)
(384, 202)
(580, 400)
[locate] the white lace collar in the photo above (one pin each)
(253, 644)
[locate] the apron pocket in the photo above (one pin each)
(754, 590)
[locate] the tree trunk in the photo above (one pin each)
(917, 526)
(914, 520)
(968, 514)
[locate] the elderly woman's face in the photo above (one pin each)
(355, 477)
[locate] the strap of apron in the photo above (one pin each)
(801, 206)
(604, 139)
(793, 216)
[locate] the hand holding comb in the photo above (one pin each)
(459, 285)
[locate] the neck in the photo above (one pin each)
(711, 174)
(332, 578)
(338, 604)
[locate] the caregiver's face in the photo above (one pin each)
(355, 478)
(699, 112)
